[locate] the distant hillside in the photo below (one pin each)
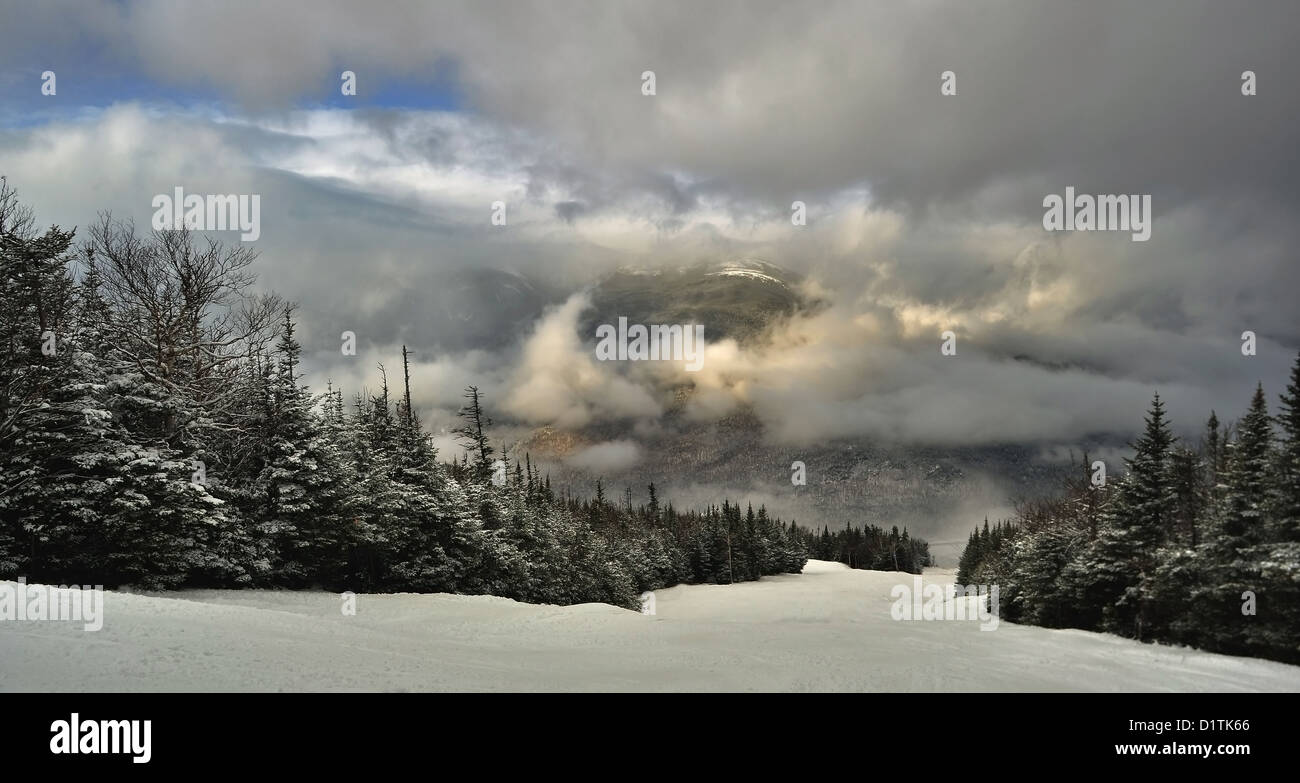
(736, 299)
(936, 492)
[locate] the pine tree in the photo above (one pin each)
(1040, 558)
(1250, 488)
(652, 508)
(1186, 472)
(968, 560)
(473, 432)
(301, 498)
(442, 544)
(1279, 599)
(1225, 565)
(1123, 558)
(1286, 513)
(49, 419)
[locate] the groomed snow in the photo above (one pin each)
(828, 629)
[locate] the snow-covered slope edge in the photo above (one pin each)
(826, 629)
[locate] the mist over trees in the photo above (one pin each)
(1196, 544)
(154, 431)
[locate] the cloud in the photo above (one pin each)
(559, 381)
(923, 211)
(768, 101)
(612, 456)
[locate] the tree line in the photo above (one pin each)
(154, 431)
(1197, 544)
(870, 547)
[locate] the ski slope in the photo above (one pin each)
(828, 629)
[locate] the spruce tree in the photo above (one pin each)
(1279, 602)
(300, 493)
(1231, 554)
(473, 433)
(1124, 556)
(1286, 513)
(49, 419)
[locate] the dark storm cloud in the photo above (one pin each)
(924, 210)
(773, 97)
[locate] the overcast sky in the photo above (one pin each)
(924, 210)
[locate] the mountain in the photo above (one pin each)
(737, 299)
(937, 492)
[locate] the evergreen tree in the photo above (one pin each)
(301, 491)
(473, 432)
(1123, 557)
(1230, 560)
(155, 432)
(1286, 513)
(1279, 601)
(652, 509)
(50, 417)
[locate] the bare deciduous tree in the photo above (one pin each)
(192, 321)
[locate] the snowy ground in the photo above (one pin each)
(828, 629)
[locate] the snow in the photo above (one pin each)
(739, 271)
(827, 629)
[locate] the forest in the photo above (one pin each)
(870, 547)
(1197, 544)
(155, 433)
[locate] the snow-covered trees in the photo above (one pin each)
(1141, 518)
(1279, 553)
(1286, 512)
(154, 431)
(870, 547)
(50, 417)
(295, 487)
(1196, 546)
(472, 433)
